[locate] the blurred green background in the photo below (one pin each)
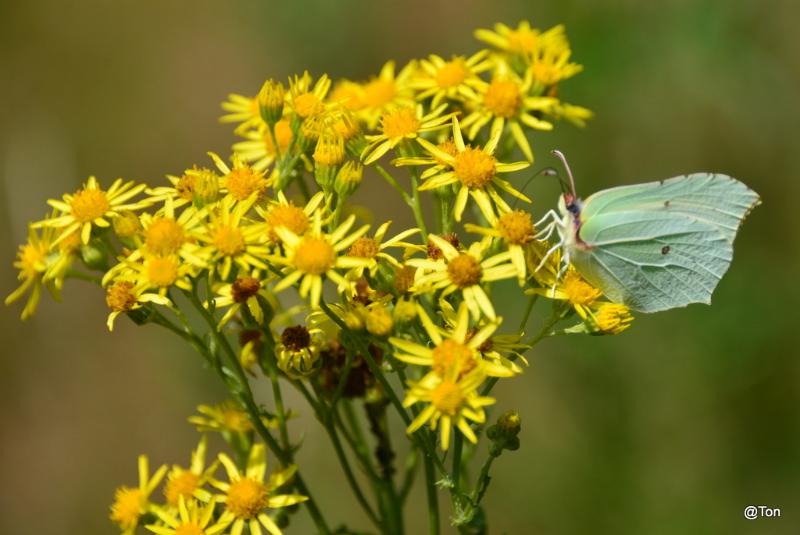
(671, 428)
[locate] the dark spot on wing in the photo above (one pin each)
(665, 249)
(661, 182)
(666, 204)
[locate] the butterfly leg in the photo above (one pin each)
(546, 232)
(551, 214)
(547, 255)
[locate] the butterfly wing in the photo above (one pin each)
(716, 199)
(650, 260)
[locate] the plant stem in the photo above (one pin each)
(246, 395)
(433, 499)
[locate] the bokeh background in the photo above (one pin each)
(672, 428)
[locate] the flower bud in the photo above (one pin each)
(126, 224)
(378, 320)
(348, 178)
(270, 101)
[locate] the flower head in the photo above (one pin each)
(131, 503)
(91, 206)
(474, 170)
(316, 255)
(247, 495)
(465, 272)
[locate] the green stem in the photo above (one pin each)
(458, 445)
(246, 395)
(483, 480)
(433, 499)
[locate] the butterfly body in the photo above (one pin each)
(658, 245)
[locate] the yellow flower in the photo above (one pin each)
(315, 255)
(123, 296)
(506, 101)
(130, 503)
(373, 249)
(190, 518)
(197, 185)
(403, 123)
(610, 318)
(241, 181)
(282, 213)
(463, 272)
(516, 229)
(386, 91)
(456, 351)
(244, 291)
(298, 350)
(225, 417)
(164, 234)
(92, 206)
(475, 170)
(243, 110)
(456, 79)
(259, 148)
(307, 101)
(246, 495)
(39, 265)
(229, 238)
(523, 40)
(187, 483)
(452, 400)
(271, 99)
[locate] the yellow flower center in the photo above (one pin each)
(307, 104)
(128, 506)
(314, 256)
(162, 271)
(474, 167)
(119, 296)
(522, 40)
(246, 498)
(289, 217)
(89, 204)
(244, 288)
(236, 419)
(464, 271)
(348, 94)
(243, 181)
(400, 123)
(185, 187)
(579, 292)
(451, 73)
(32, 259)
(164, 236)
(283, 135)
(183, 484)
(228, 240)
(379, 92)
(447, 397)
(450, 354)
(189, 528)
(516, 227)
(503, 98)
(364, 248)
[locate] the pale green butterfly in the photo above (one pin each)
(653, 246)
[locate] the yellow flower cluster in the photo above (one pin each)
(227, 239)
(191, 494)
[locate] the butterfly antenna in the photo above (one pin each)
(560, 155)
(547, 171)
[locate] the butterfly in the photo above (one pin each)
(652, 246)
